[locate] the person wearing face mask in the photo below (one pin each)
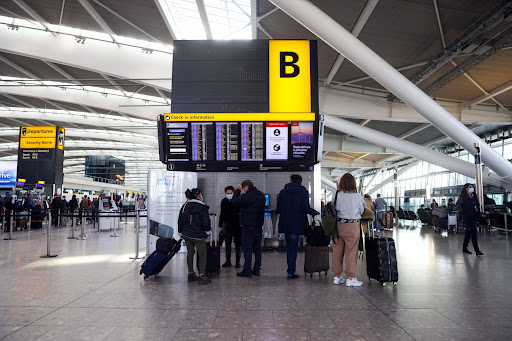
(229, 224)
(194, 226)
(470, 210)
(251, 202)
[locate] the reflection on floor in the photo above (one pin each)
(93, 291)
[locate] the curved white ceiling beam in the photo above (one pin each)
(97, 56)
(83, 118)
(93, 134)
(98, 98)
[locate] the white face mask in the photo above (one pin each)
(229, 196)
(471, 190)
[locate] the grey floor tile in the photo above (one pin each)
(270, 303)
(22, 316)
(244, 319)
(6, 330)
(72, 317)
(475, 334)
(361, 319)
(142, 334)
(221, 303)
(303, 318)
(186, 319)
(28, 333)
(210, 334)
(128, 318)
(420, 318)
(342, 334)
(276, 334)
(395, 334)
(426, 334)
(76, 333)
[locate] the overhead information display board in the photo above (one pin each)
(242, 106)
(41, 154)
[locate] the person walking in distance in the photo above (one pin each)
(229, 224)
(349, 208)
(251, 203)
(293, 209)
(470, 209)
(194, 226)
(381, 207)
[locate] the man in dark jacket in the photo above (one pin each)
(72, 206)
(251, 202)
(293, 209)
(56, 207)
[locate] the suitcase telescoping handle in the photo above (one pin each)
(213, 226)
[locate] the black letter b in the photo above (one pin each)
(284, 64)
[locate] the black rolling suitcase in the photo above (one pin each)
(212, 249)
(316, 259)
(381, 262)
(158, 259)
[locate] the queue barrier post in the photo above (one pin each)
(72, 230)
(115, 235)
(82, 235)
(48, 239)
(11, 225)
(29, 225)
(137, 230)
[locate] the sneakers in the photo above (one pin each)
(466, 251)
(339, 280)
(192, 277)
(479, 253)
(244, 273)
(203, 280)
(294, 276)
(353, 282)
(227, 264)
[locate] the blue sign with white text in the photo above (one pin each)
(8, 174)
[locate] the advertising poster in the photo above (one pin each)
(8, 174)
(277, 141)
(166, 195)
(302, 141)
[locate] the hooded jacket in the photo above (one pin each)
(252, 207)
(229, 214)
(194, 220)
(293, 209)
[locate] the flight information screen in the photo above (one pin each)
(227, 141)
(203, 141)
(177, 135)
(252, 141)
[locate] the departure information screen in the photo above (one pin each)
(227, 141)
(252, 141)
(239, 146)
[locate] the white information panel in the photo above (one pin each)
(277, 140)
(166, 195)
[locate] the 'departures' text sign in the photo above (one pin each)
(41, 154)
(235, 106)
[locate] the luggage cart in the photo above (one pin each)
(452, 222)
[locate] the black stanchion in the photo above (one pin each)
(11, 223)
(48, 239)
(137, 230)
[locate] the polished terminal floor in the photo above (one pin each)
(93, 291)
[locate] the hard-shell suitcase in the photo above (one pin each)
(316, 259)
(212, 248)
(158, 260)
(381, 262)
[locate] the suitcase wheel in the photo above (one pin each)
(145, 277)
(140, 273)
(395, 284)
(383, 284)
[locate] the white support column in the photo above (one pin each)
(406, 147)
(204, 19)
(392, 177)
(360, 55)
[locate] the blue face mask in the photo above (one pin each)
(202, 199)
(229, 196)
(242, 192)
(471, 190)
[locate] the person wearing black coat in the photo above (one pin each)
(56, 207)
(229, 224)
(470, 210)
(72, 206)
(293, 209)
(251, 203)
(194, 226)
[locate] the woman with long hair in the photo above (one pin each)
(470, 210)
(194, 227)
(349, 208)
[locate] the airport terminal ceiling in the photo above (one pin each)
(109, 111)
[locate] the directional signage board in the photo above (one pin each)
(236, 106)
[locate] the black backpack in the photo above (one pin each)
(166, 245)
(315, 236)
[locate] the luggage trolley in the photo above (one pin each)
(452, 221)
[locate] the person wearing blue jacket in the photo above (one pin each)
(293, 209)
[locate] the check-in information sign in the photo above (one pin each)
(41, 154)
(233, 104)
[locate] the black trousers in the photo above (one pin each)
(233, 234)
(471, 233)
(251, 243)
